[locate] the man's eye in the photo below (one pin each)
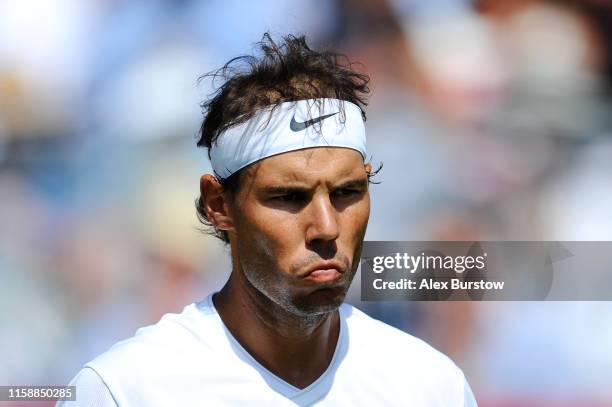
(289, 198)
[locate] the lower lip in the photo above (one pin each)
(323, 276)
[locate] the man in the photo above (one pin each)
(289, 194)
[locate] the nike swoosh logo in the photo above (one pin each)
(299, 126)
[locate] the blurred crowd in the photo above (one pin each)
(490, 117)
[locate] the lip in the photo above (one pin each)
(325, 272)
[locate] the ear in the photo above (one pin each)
(368, 167)
(215, 202)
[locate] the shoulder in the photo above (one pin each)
(91, 391)
(400, 357)
(176, 337)
(371, 332)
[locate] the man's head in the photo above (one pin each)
(295, 221)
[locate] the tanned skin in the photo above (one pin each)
(293, 214)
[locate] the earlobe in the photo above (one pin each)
(215, 203)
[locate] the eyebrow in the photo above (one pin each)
(357, 184)
(280, 190)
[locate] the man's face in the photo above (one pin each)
(299, 223)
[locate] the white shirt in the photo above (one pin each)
(191, 359)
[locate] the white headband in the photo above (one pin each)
(291, 126)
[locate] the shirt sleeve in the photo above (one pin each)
(91, 391)
(468, 396)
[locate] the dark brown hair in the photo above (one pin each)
(285, 71)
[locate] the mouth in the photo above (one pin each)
(324, 273)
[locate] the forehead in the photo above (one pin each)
(327, 164)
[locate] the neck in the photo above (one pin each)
(296, 348)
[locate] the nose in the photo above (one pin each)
(323, 222)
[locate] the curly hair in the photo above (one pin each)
(285, 71)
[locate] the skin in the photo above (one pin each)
(293, 212)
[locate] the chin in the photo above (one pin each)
(322, 301)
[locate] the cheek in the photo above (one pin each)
(283, 236)
(355, 219)
(274, 234)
